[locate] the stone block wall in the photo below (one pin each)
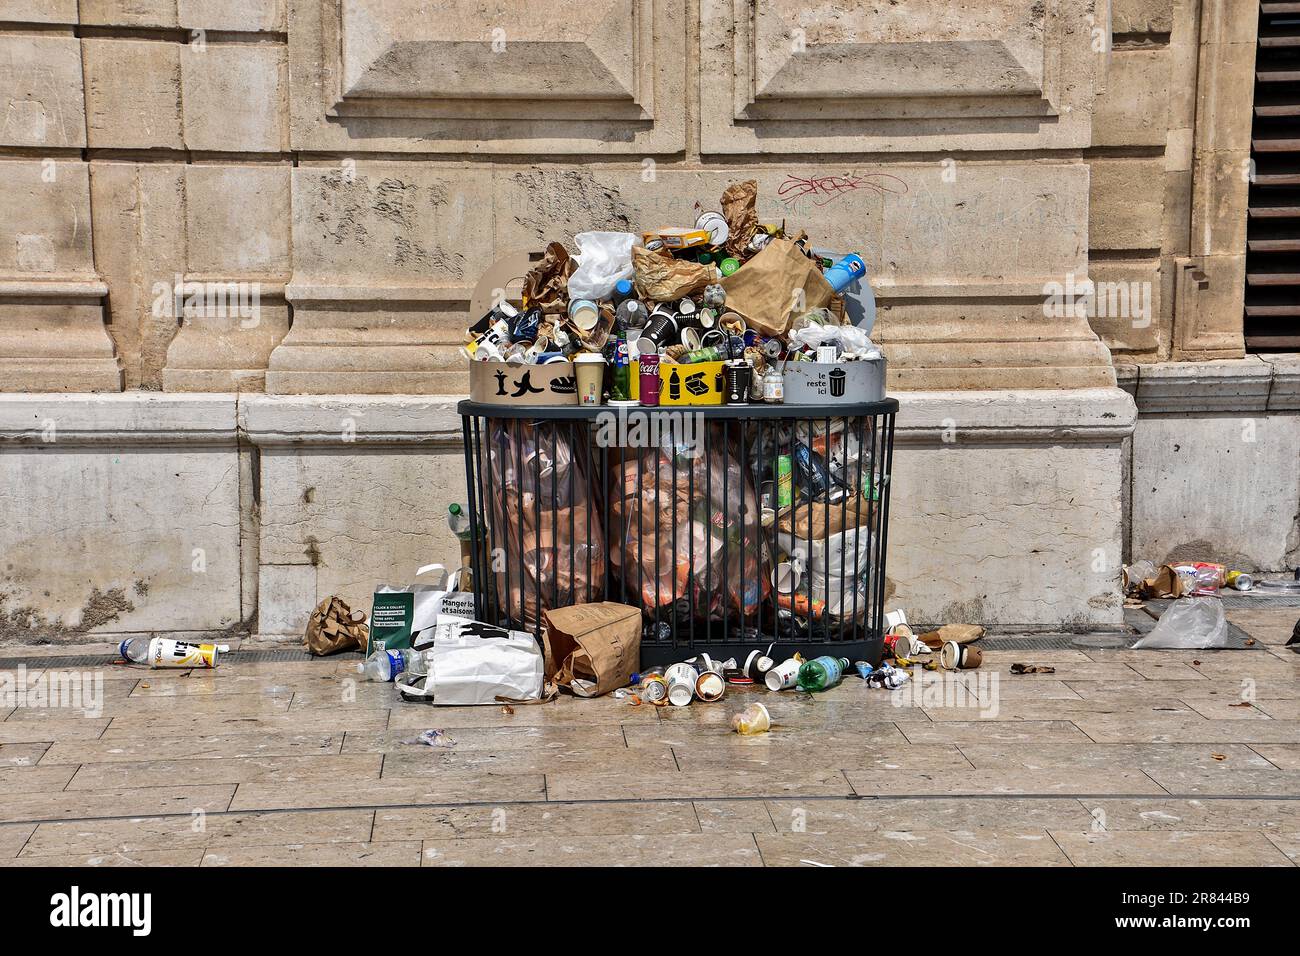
(360, 162)
(353, 166)
(1170, 170)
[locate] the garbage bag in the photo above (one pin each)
(603, 258)
(684, 529)
(546, 541)
(1193, 624)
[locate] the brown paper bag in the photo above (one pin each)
(593, 648)
(1166, 584)
(546, 286)
(660, 278)
(330, 628)
(836, 516)
(960, 633)
(776, 285)
(738, 208)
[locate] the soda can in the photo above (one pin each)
(1240, 580)
(654, 689)
(649, 381)
(784, 481)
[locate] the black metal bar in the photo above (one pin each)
(718, 610)
(474, 531)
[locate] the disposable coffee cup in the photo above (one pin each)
(894, 618)
(783, 675)
(681, 684)
(590, 370)
(954, 656)
(584, 313)
(757, 664)
(710, 686)
(786, 576)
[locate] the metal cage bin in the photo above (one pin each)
(731, 527)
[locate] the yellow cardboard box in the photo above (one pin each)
(698, 384)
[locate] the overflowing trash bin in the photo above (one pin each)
(689, 420)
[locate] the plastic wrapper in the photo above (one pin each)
(1193, 625)
(603, 258)
(543, 508)
(681, 532)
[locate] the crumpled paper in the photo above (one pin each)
(660, 278)
(739, 209)
(546, 286)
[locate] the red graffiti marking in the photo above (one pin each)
(826, 189)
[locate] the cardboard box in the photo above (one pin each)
(698, 384)
(499, 383)
(815, 383)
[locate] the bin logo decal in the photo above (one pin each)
(837, 377)
(523, 387)
(695, 384)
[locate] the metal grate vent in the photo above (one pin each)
(1273, 230)
(105, 660)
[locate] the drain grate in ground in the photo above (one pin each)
(260, 656)
(1052, 642)
(1258, 598)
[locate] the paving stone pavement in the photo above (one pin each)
(1117, 758)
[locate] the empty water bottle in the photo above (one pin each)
(135, 650)
(386, 665)
(822, 673)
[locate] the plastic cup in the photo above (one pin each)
(754, 719)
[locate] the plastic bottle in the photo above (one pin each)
(385, 665)
(458, 521)
(135, 650)
(621, 387)
(822, 673)
(459, 524)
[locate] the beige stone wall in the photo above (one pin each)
(361, 161)
(1170, 161)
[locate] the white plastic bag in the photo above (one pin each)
(603, 258)
(469, 662)
(398, 622)
(1193, 624)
